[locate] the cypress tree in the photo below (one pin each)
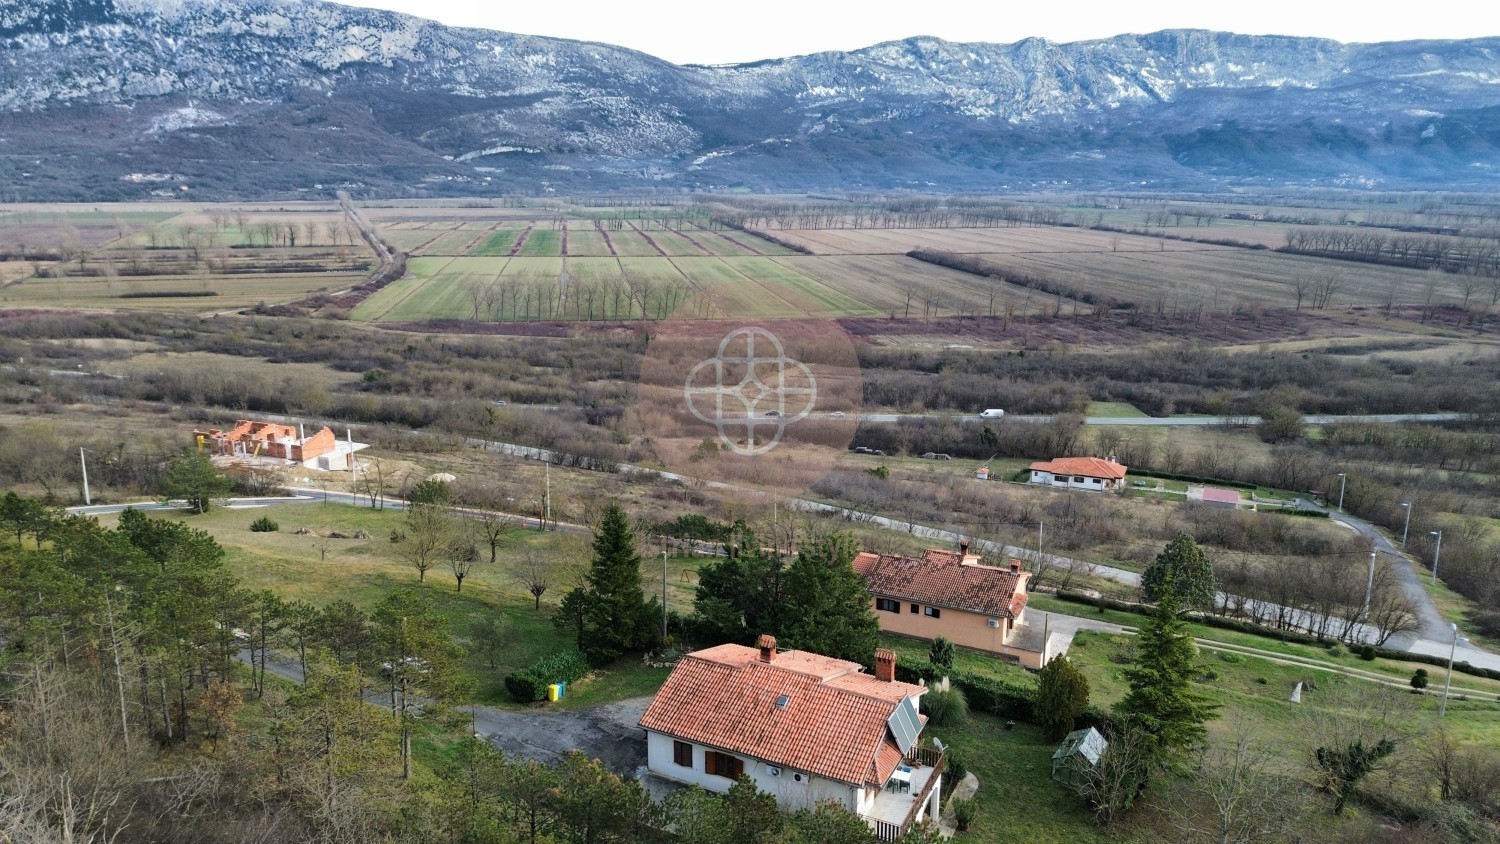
(1062, 694)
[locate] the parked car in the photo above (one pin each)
(991, 413)
(860, 449)
(837, 414)
(416, 664)
(773, 413)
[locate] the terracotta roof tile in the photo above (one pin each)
(1091, 467)
(940, 579)
(830, 725)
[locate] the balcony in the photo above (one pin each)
(894, 811)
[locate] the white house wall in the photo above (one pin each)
(789, 793)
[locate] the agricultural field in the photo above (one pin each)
(177, 257)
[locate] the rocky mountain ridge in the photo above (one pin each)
(105, 99)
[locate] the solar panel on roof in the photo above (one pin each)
(905, 724)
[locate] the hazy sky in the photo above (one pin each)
(722, 32)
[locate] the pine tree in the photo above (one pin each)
(1062, 694)
(193, 478)
(1161, 700)
(616, 616)
(1186, 567)
(827, 608)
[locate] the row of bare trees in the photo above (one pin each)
(1472, 255)
(628, 297)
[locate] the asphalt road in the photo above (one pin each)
(1167, 422)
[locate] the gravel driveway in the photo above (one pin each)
(607, 732)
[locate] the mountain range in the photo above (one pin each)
(215, 99)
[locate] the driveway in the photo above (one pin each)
(607, 732)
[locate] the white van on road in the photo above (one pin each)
(991, 413)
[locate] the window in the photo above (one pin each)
(723, 765)
(682, 754)
(887, 605)
(1077, 479)
(933, 612)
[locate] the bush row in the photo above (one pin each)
(1240, 625)
(530, 684)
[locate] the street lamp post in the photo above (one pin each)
(1437, 554)
(1369, 587)
(1407, 529)
(664, 597)
(1343, 479)
(1443, 707)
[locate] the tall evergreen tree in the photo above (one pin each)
(1184, 565)
(827, 608)
(1161, 700)
(616, 615)
(739, 595)
(1062, 694)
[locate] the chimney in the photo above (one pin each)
(963, 547)
(1015, 566)
(885, 664)
(767, 645)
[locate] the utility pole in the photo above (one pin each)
(1407, 529)
(85, 463)
(546, 494)
(664, 596)
(1343, 479)
(1369, 587)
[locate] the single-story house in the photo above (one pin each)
(1091, 473)
(953, 595)
(809, 729)
(272, 440)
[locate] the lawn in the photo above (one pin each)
(364, 571)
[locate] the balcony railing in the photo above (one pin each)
(926, 757)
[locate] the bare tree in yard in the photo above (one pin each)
(1237, 791)
(427, 537)
(463, 556)
(1356, 732)
(534, 574)
(1112, 786)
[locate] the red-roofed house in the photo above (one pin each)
(951, 594)
(806, 728)
(1213, 496)
(1079, 473)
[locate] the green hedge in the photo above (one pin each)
(530, 684)
(1242, 626)
(985, 694)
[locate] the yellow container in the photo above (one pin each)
(554, 692)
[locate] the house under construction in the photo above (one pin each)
(253, 440)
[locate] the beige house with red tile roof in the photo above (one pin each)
(953, 595)
(806, 728)
(1091, 473)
